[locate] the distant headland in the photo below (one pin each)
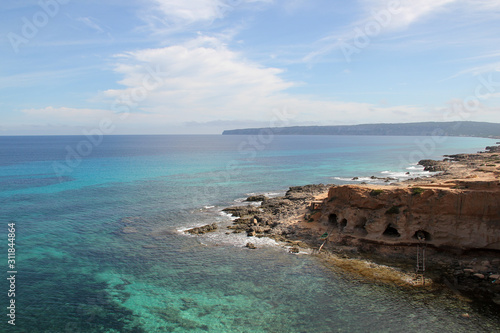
(455, 128)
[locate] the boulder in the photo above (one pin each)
(433, 166)
(239, 211)
(251, 245)
(254, 198)
(203, 230)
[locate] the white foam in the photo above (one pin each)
(360, 179)
(274, 194)
(415, 167)
(226, 215)
(183, 230)
(414, 171)
(237, 240)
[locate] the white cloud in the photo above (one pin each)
(175, 14)
(203, 81)
(389, 17)
(484, 5)
(403, 12)
(293, 6)
(478, 70)
(197, 80)
(91, 23)
(191, 11)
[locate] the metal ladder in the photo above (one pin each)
(420, 268)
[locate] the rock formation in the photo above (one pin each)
(456, 213)
(203, 230)
(464, 217)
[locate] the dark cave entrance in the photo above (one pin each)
(343, 224)
(422, 235)
(333, 220)
(360, 227)
(391, 231)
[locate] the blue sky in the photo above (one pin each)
(201, 66)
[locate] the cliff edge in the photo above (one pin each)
(453, 215)
(449, 216)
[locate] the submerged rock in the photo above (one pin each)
(203, 230)
(239, 211)
(433, 166)
(255, 198)
(251, 245)
(129, 230)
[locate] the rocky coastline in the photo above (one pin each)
(376, 230)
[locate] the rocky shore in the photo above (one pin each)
(377, 230)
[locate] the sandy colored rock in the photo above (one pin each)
(203, 230)
(443, 215)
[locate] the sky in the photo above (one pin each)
(71, 67)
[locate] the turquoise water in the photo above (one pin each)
(100, 246)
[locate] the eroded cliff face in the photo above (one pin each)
(463, 216)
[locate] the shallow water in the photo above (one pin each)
(78, 271)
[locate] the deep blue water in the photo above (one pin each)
(100, 247)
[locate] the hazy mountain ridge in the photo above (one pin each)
(456, 128)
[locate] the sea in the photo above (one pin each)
(97, 225)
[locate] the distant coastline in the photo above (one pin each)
(456, 128)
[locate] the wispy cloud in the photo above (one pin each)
(172, 15)
(477, 70)
(36, 78)
(389, 18)
(91, 23)
(187, 12)
(403, 12)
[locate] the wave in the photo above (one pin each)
(415, 167)
(393, 176)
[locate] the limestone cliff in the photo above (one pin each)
(460, 216)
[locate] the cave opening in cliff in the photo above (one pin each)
(391, 231)
(333, 220)
(343, 224)
(422, 235)
(360, 227)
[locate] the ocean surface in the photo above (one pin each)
(100, 247)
